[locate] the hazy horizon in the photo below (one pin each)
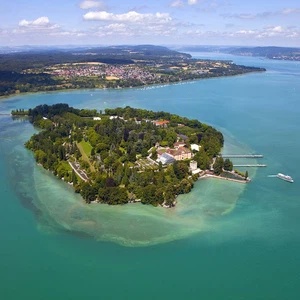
(170, 46)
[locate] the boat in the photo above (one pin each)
(285, 177)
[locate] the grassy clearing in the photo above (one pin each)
(86, 147)
(85, 157)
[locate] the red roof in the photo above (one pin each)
(179, 144)
(159, 123)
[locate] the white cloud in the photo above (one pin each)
(143, 30)
(68, 34)
(245, 32)
(116, 27)
(130, 17)
(40, 25)
(246, 16)
(40, 22)
(87, 4)
(4, 32)
(177, 3)
(192, 2)
(287, 11)
(267, 34)
(276, 29)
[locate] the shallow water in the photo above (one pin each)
(224, 240)
(59, 208)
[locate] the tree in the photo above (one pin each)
(160, 166)
(202, 159)
(228, 166)
(93, 152)
(246, 174)
(110, 182)
(144, 152)
(218, 165)
(132, 156)
(74, 178)
(185, 186)
(86, 192)
(149, 194)
(159, 196)
(154, 154)
(180, 169)
(169, 195)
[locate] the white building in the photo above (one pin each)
(193, 165)
(195, 147)
(96, 118)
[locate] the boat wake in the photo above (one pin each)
(283, 177)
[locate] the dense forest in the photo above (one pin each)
(110, 157)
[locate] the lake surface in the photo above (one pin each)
(222, 241)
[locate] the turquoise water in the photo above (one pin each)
(223, 240)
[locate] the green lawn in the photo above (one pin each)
(86, 147)
(85, 150)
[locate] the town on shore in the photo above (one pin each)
(126, 155)
(106, 67)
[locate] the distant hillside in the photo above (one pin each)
(281, 53)
(269, 52)
(37, 58)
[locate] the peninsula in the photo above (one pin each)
(105, 67)
(125, 154)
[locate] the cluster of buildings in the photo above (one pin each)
(179, 151)
(167, 155)
(77, 70)
(108, 72)
(130, 72)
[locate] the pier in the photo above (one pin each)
(251, 166)
(242, 156)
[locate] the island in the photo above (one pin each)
(106, 67)
(125, 154)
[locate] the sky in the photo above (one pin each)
(160, 22)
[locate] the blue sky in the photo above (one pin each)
(107, 22)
